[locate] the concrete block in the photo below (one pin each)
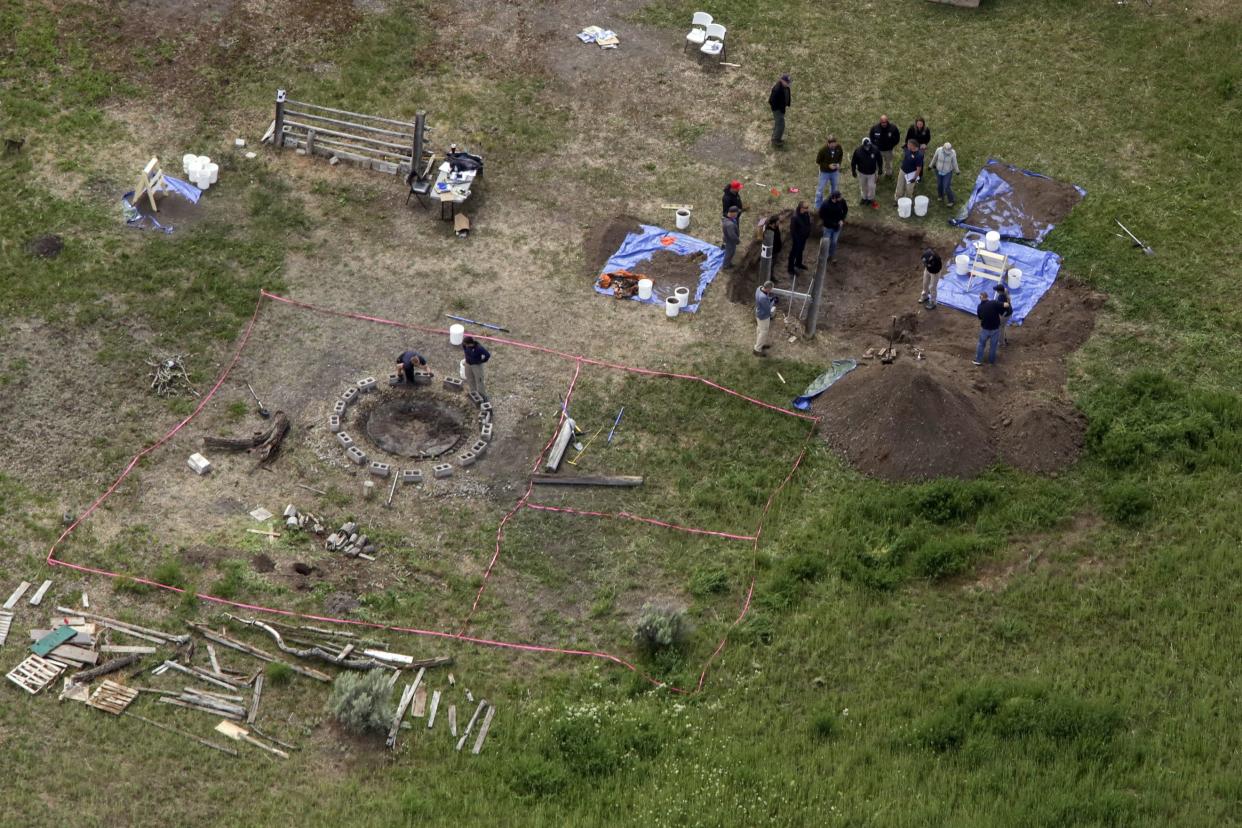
(380, 469)
(338, 408)
(334, 423)
(476, 398)
(479, 447)
(411, 476)
(350, 394)
(199, 463)
(467, 458)
(348, 529)
(345, 440)
(396, 379)
(453, 383)
(485, 407)
(485, 432)
(442, 470)
(422, 377)
(291, 511)
(485, 418)
(367, 384)
(357, 455)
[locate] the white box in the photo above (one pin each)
(199, 463)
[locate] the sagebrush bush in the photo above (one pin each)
(362, 702)
(279, 673)
(661, 627)
(1126, 503)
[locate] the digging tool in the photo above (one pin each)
(615, 423)
(582, 450)
(263, 412)
(473, 322)
(393, 490)
(240, 734)
(1137, 243)
(887, 356)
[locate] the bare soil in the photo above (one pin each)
(46, 247)
(1039, 201)
(602, 240)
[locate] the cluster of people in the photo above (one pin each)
(475, 355)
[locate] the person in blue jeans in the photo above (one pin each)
(832, 213)
(944, 163)
(829, 160)
(989, 313)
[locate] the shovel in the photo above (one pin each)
(263, 412)
(1137, 243)
(240, 734)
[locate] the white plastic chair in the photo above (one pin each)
(714, 45)
(698, 31)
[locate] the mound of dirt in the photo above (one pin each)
(602, 241)
(1041, 436)
(45, 247)
(1039, 201)
(905, 422)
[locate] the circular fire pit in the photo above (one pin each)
(419, 427)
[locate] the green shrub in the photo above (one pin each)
(127, 584)
(825, 725)
(660, 628)
(709, 580)
(951, 501)
(169, 572)
(534, 777)
(943, 556)
(279, 673)
(362, 702)
(233, 583)
(1126, 503)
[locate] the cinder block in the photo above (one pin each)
(485, 418)
(396, 379)
(357, 455)
(485, 431)
(442, 470)
(199, 463)
(476, 398)
(338, 408)
(485, 408)
(479, 447)
(453, 383)
(291, 511)
(422, 378)
(334, 423)
(411, 476)
(344, 438)
(467, 458)
(349, 394)
(380, 469)
(367, 384)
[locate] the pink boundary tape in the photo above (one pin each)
(52, 560)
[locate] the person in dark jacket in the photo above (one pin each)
(829, 159)
(779, 100)
(931, 278)
(799, 232)
(910, 171)
(406, 363)
(919, 133)
(990, 314)
(773, 223)
(886, 136)
(1002, 296)
(476, 355)
(732, 198)
(865, 164)
(832, 213)
(731, 235)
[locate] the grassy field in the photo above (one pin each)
(1014, 650)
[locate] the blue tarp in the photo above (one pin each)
(840, 367)
(136, 219)
(640, 247)
(1039, 270)
(991, 206)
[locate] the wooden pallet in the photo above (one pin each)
(35, 673)
(6, 621)
(112, 697)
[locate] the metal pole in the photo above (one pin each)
(416, 160)
(765, 257)
(278, 136)
(817, 289)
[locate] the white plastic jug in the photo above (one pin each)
(920, 205)
(962, 264)
(683, 219)
(903, 207)
(456, 334)
(644, 289)
(1014, 277)
(992, 239)
(671, 307)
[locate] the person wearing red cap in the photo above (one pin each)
(732, 198)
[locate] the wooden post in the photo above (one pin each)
(416, 160)
(817, 289)
(278, 137)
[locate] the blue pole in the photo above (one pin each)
(614, 424)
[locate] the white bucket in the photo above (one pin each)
(903, 207)
(203, 181)
(962, 264)
(213, 172)
(683, 296)
(671, 306)
(1014, 278)
(683, 219)
(456, 334)
(920, 205)
(993, 240)
(644, 289)
(188, 161)
(203, 161)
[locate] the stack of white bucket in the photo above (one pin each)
(200, 170)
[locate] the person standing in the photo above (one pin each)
(773, 223)
(765, 304)
(406, 363)
(865, 165)
(799, 232)
(989, 313)
(779, 99)
(931, 278)
(910, 171)
(732, 198)
(832, 213)
(731, 234)
(919, 133)
(476, 355)
(885, 136)
(1002, 296)
(944, 163)
(829, 160)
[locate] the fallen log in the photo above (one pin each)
(264, 443)
(243, 647)
(311, 652)
(106, 668)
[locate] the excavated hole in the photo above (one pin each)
(423, 428)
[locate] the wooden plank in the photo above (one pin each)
(407, 693)
(291, 102)
(254, 700)
(37, 598)
(68, 652)
(487, 723)
(6, 621)
(211, 745)
(420, 703)
(262, 655)
(51, 641)
(126, 627)
(215, 663)
(199, 707)
(465, 734)
(112, 697)
(201, 675)
(557, 480)
(17, 595)
(435, 705)
(407, 135)
(79, 638)
(126, 649)
(453, 720)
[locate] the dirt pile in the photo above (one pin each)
(1033, 203)
(45, 247)
(906, 422)
(601, 241)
